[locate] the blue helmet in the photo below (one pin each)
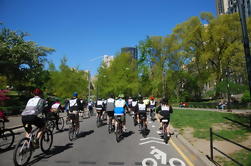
(75, 94)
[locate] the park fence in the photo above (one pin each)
(212, 148)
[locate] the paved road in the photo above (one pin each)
(95, 147)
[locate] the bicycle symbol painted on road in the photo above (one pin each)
(159, 155)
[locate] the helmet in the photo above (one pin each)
(121, 96)
(164, 101)
(75, 94)
(151, 98)
(37, 92)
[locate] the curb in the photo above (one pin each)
(203, 158)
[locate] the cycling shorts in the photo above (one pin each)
(29, 120)
(122, 117)
(142, 114)
(110, 113)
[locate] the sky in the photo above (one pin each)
(85, 30)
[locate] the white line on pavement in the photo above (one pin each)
(143, 139)
(152, 141)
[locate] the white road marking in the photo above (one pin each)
(152, 141)
(158, 132)
(143, 139)
(153, 126)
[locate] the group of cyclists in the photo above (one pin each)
(109, 108)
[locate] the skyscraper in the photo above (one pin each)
(221, 6)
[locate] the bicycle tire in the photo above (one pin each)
(47, 137)
(5, 136)
(71, 133)
(61, 123)
(21, 145)
(110, 126)
(51, 125)
(118, 132)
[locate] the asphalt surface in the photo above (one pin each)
(96, 147)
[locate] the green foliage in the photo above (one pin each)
(246, 97)
(120, 77)
(22, 61)
(67, 80)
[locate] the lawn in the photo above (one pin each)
(201, 121)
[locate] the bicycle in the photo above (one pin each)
(166, 135)
(152, 113)
(7, 136)
(110, 125)
(74, 128)
(119, 128)
(26, 146)
(51, 124)
(99, 119)
(142, 125)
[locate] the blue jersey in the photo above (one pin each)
(119, 107)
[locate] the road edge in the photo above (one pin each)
(203, 158)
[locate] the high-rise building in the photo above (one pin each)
(130, 50)
(107, 60)
(231, 6)
(221, 6)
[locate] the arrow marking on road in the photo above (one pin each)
(152, 141)
(143, 139)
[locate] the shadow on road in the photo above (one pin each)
(128, 134)
(56, 150)
(6, 150)
(85, 133)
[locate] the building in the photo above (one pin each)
(231, 6)
(130, 50)
(221, 6)
(107, 60)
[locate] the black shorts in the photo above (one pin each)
(110, 113)
(29, 120)
(121, 117)
(142, 114)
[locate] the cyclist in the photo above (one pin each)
(152, 105)
(74, 107)
(135, 109)
(34, 107)
(110, 108)
(54, 111)
(129, 101)
(100, 107)
(142, 111)
(119, 110)
(90, 106)
(164, 110)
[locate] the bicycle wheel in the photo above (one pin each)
(110, 126)
(118, 132)
(6, 139)
(61, 123)
(46, 141)
(98, 121)
(50, 125)
(71, 133)
(22, 152)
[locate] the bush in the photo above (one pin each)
(246, 97)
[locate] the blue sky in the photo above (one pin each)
(82, 30)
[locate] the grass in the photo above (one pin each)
(242, 156)
(201, 121)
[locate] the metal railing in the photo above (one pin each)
(212, 148)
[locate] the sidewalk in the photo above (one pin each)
(216, 110)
